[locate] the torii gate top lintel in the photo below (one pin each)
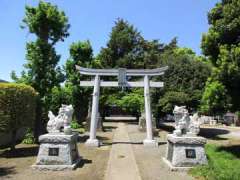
(115, 72)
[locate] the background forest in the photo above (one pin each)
(209, 83)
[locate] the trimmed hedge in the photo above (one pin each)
(17, 108)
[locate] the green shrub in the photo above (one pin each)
(60, 95)
(222, 164)
(17, 108)
(75, 125)
(29, 137)
(78, 127)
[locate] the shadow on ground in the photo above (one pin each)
(162, 143)
(111, 143)
(123, 121)
(109, 128)
(82, 138)
(213, 133)
(4, 171)
(133, 143)
(166, 127)
(83, 162)
(234, 150)
(20, 152)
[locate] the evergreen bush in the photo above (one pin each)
(17, 108)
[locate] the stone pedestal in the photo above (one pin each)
(184, 152)
(57, 152)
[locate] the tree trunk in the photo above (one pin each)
(13, 141)
(38, 124)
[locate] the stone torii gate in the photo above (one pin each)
(122, 73)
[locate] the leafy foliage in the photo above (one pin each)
(60, 95)
(29, 137)
(221, 44)
(132, 102)
(42, 74)
(41, 71)
(184, 81)
(172, 98)
(81, 54)
(185, 78)
(47, 22)
(124, 44)
(17, 108)
(75, 125)
(214, 99)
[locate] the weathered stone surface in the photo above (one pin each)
(57, 167)
(62, 120)
(186, 139)
(92, 143)
(185, 124)
(184, 152)
(58, 138)
(57, 152)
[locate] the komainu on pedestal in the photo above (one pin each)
(58, 149)
(185, 148)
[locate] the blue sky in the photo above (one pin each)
(93, 20)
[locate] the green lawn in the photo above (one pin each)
(223, 163)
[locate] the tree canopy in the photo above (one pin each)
(42, 72)
(81, 54)
(184, 81)
(187, 72)
(221, 45)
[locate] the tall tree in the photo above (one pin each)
(81, 53)
(125, 42)
(50, 26)
(222, 45)
(184, 81)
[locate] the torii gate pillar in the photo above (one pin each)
(93, 141)
(149, 141)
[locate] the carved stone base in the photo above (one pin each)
(92, 143)
(57, 152)
(185, 152)
(57, 167)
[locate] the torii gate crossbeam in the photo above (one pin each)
(122, 82)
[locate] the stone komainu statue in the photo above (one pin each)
(184, 124)
(61, 121)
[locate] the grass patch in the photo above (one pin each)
(223, 163)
